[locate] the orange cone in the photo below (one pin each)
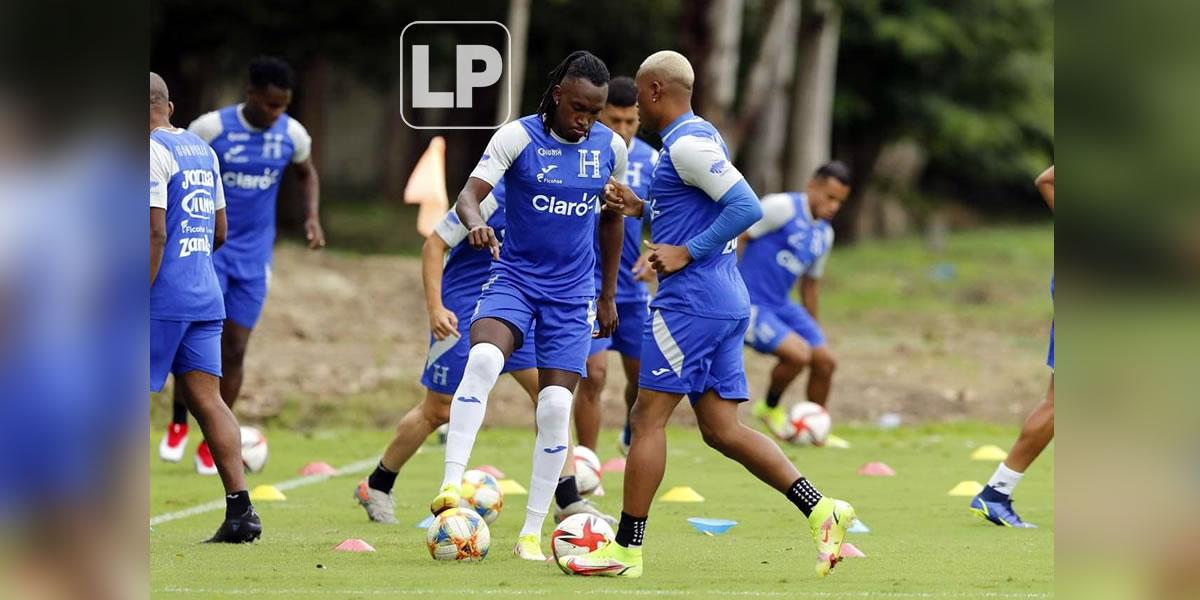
(427, 186)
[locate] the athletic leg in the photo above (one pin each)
(234, 341)
(589, 399)
(820, 380)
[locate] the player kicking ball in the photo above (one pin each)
(692, 345)
(791, 243)
(554, 165)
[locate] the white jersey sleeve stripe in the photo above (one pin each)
(218, 187)
(504, 148)
(621, 154)
(451, 229)
(207, 126)
(701, 163)
(301, 141)
(777, 210)
(162, 168)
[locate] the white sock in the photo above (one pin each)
(1005, 480)
(466, 416)
(549, 454)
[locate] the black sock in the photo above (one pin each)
(382, 479)
(179, 414)
(773, 399)
(804, 496)
(631, 530)
(236, 504)
(567, 492)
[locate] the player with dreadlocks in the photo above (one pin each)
(554, 165)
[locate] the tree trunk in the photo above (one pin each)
(883, 211)
(314, 79)
(765, 142)
(718, 72)
(812, 103)
(518, 28)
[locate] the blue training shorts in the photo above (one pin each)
(448, 358)
(244, 298)
(686, 354)
(770, 324)
(563, 334)
(182, 346)
(627, 339)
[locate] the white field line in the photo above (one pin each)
(290, 484)
(600, 592)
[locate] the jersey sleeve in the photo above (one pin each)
(218, 187)
(451, 229)
(777, 209)
(620, 157)
(207, 126)
(506, 145)
(301, 141)
(701, 162)
(817, 270)
(162, 167)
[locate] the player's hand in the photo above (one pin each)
(314, 234)
(443, 323)
(620, 199)
(667, 259)
(606, 317)
(642, 269)
(484, 237)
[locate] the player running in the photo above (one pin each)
(791, 243)
(692, 345)
(187, 222)
(452, 286)
(620, 115)
(994, 503)
(554, 165)
(256, 142)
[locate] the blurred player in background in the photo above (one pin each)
(994, 503)
(791, 243)
(187, 223)
(554, 165)
(256, 142)
(692, 345)
(620, 115)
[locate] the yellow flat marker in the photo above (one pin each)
(834, 441)
(682, 493)
(989, 452)
(966, 488)
(267, 493)
(511, 488)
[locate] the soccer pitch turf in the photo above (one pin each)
(923, 543)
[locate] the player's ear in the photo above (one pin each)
(170, 109)
(556, 93)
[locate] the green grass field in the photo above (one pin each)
(923, 543)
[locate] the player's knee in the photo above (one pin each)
(717, 436)
(435, 412)
(824, 362)
(233, 351)
(597, 374)
(554, 408)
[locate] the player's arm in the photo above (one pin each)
(310, 184)
(158, 240)
(612, 237)
(442, 322)
(777, 210)
(1045, 185)
(502, 150)
(809, 289)
(161, 169)
(221, 231)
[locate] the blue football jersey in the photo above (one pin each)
(466, 268)
(252, 163)
(786, 244)
(552, 196)
(640, 165)
(185, 181)
(692, 173)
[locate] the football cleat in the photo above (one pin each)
(998, 511)
(611, 560)
(529, 547)
(242, 529)
(776, 419)
(829, 520)
(204, 460)
(380, 506)
(449, 497)
(582, 507)
(174, 442)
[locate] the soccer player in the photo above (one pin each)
(256, 142)
(452, 287)
(994, 503)
(187, 222)
(620, 115)
(554, 165)
(791, 243)
(692, 345)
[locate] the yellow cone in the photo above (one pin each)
(682, 494)
(989, 452)
(512, 488)
(834, 441)
(427, 186)
(266, 493)
(966, 488)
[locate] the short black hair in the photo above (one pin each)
(269, 70)
(579, 64)
(622, 92)
(835, 169)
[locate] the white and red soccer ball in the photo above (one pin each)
(254, 449)
(808, 424)
(580, 534)
(587, 470)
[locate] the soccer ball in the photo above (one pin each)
(458, 534)
(587, 470)
(810, 424)
(481, 493)
(254, 449)
(579, 534)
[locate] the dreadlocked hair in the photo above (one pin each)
(581, 64)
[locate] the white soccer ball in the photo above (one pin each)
(254, 449)
(458, 534)
(587, 470)
(481, 493)
(810, 424)
(580, 534)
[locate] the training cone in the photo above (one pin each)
(318, 468)
(267, 493)
(857, 526)
(682, 493)
(966, 488)
(357, 545)
(425, 523)
(512, 488)
(613, 465)
(849, 551)
(834, 441)
(989, 453)
(876, 469)
(427, 186)
(490, 470)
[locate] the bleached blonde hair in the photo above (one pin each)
(671, 65)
